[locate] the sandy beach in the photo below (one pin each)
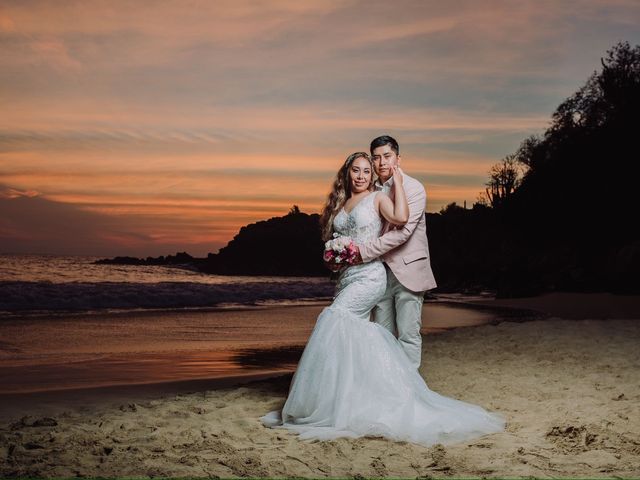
(569, 386)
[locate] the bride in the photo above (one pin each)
(354, 379)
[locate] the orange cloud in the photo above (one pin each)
(6, 24)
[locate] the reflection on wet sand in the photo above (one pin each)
(143, 368)
(72, 353)
(285, 358)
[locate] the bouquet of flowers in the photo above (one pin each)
(340, 250)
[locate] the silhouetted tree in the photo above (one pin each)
(504, 178)
(583, 164)
(294, 210)
(451, 209)
(607, 97)
(571, 218)
(482, 201)
(531, 152)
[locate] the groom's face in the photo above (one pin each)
(383, 159)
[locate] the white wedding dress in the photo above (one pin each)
(354, 379)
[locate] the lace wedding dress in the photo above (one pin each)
(354, 379)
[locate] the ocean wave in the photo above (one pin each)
(86, 296)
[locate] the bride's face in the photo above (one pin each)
(359, 175)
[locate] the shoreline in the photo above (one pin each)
(564, 304)
(123, 312)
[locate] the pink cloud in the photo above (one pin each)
(54, 52)
(14, 193)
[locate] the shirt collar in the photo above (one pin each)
(388, 184)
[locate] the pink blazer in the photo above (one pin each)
(406, 249)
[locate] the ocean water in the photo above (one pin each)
(46, 284)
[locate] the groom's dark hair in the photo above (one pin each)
(384, 140)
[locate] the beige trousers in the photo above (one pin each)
(400, 312)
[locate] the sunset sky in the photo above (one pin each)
(150, 127)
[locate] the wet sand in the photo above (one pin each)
(84, 351)
(570, 389)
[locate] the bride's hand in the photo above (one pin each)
(331, 265)
(397, 175)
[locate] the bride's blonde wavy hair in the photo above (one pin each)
(340, 193)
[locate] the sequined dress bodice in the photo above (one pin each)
(365, 283)
(362, 223)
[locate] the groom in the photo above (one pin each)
(405, 253)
